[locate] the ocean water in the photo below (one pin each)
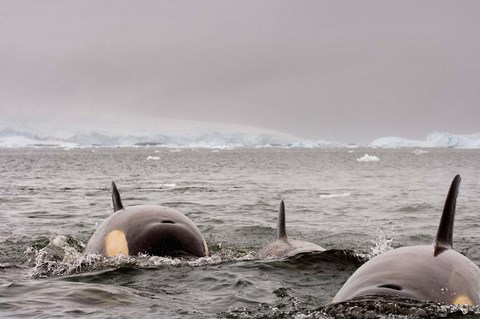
(51, 201)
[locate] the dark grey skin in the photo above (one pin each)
(283, 247)
(146, 229)
(428, 273)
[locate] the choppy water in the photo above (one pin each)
(51, 201)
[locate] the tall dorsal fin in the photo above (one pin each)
(281, 232)
(444, 239)
(117, 201)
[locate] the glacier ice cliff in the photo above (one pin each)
(435, 139)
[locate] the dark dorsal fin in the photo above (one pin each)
(281, 232)
(117, 201)
(444, 239)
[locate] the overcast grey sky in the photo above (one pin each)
(347, 71)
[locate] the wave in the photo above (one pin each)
(382, 306)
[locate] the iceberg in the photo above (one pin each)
(396, 142)
(433, 140)
(440, 139)
(315, 144)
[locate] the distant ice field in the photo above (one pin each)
(139, 131)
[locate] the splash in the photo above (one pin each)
(56, 258)
(381, 243)
(62, 256)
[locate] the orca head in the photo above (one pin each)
(166, 238)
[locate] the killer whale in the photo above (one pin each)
(427, 273)
(146, 229)
(283, 247)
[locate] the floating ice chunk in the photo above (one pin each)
(328, 196)
(153, 158)
(419, 152)
(368, 158)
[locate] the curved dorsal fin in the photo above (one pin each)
(281, 232)
(117, 201)
(444, 239)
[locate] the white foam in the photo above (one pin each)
(153, 158)
(170, 185)
(368, 158)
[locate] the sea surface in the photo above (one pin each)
(51, 201)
